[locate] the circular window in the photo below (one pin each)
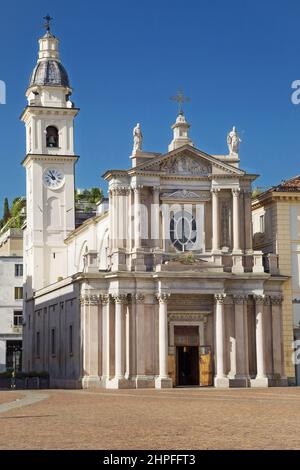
(183, 231)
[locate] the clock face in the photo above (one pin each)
(53, 178)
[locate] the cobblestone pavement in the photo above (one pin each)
(152, 419)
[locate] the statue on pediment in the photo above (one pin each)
(233, 141)
(137, 138)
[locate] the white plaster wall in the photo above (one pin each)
(91, 237)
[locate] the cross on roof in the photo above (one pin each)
(47, 24)
(180, 99)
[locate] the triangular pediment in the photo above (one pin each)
(186, 161)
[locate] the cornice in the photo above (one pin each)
(52, 158)
(50, 109)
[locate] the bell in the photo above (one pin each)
(52, 141)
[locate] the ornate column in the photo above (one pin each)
(163, 380)
(248, 222)
(90, 331)
(106, 337)
(261, 378)
(277, 340)
(137, 217)
(111, 217)
(215, 219)
(120, 344)
(241, 376)
(236, 220)
(221, 381)
(140, 339)
(155, 225)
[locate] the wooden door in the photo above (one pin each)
(205, 368)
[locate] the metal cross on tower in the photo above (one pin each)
(180, 99)
(47, 24)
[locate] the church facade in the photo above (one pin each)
(162, 287)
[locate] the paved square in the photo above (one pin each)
(149, 419)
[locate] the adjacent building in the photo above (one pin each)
(11, 299)
(276, 227)
(162, 286)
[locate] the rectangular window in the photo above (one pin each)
(18, 317)
(38, 345)
(18, 293)
(262, 224)
(71, 340)
(18, 270)
(53, 341)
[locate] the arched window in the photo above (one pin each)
(52, 136)
(183, 230)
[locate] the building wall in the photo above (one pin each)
(278, 237)
(8, 303)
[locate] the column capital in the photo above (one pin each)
(240, 298)
(90, 299)
(220, 298)
(120, 298)
(235, 191)
(215, 191)
(119, 190)
(105, 299)
(276, 299)
(137, 188)
(162, 297)
(259, 299)
(155, 189)
(139, 298)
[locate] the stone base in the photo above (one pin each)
(161, 382)
(239, 382)
(259, 382)
(143, 381)
(221, 382)
(117, 383)
(90, 381)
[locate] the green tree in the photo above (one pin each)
(96, 195)
(6, 211)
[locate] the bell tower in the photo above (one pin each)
(49, 164)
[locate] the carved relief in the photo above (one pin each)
(276, 299)
(162, 297)
(88, 299)
(220, 298)
(139, 298)
(184, 194)
(187, 317)
(240, 298)
(184, 165)
(120, 298)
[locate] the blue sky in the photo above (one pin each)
(125, 58)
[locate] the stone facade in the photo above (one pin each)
(162, 287)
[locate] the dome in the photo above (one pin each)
(49, 73)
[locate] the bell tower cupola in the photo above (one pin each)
(181, 126)
(50, 165)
